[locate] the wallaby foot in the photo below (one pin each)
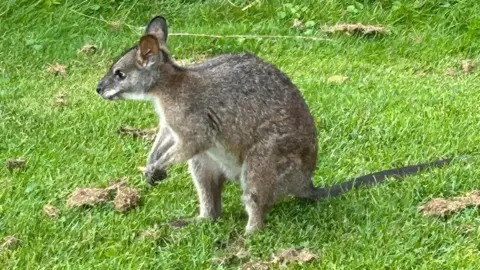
(208, 178)
(255, 213)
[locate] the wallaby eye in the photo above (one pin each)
(120, 74)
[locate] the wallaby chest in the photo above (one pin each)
(228, 161)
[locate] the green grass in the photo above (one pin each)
(385, 115)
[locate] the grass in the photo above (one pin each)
(397, 108)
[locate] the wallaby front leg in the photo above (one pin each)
(187, 142)
(181, 151)
(163, 142)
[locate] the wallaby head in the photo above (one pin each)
(135, 73)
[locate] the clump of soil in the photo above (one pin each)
(57, 69)
(256, 265)
(357, 28)
(444, 207)
(88, 48)
(238, 252)
(15, 163)
(153, 233)
(290, 255)
(60, 100)
(282, 258)
(467, 65)
(125, 198)
(145, 134)
(51, 211)
(9, 242)
(87, 196)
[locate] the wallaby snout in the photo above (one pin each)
(100, 87)
(108, 89)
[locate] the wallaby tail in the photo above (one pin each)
(377, 178)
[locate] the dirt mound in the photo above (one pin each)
(444, 207)
(144, 134)
(356, 28)
(124, 197)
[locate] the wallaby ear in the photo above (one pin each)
(158, 28)
(148, 50)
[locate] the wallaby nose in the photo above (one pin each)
(99, 88)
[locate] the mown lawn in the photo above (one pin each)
(398, 107)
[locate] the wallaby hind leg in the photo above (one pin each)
(293, 178)
(208, 178)
(258, 181)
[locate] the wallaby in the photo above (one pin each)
(234, 116)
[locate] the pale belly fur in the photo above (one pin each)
(229, 162)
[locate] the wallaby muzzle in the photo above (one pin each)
(100, 87)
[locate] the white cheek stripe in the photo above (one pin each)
(110, 93)
(136, 96)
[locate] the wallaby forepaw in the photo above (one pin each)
(154, 174)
